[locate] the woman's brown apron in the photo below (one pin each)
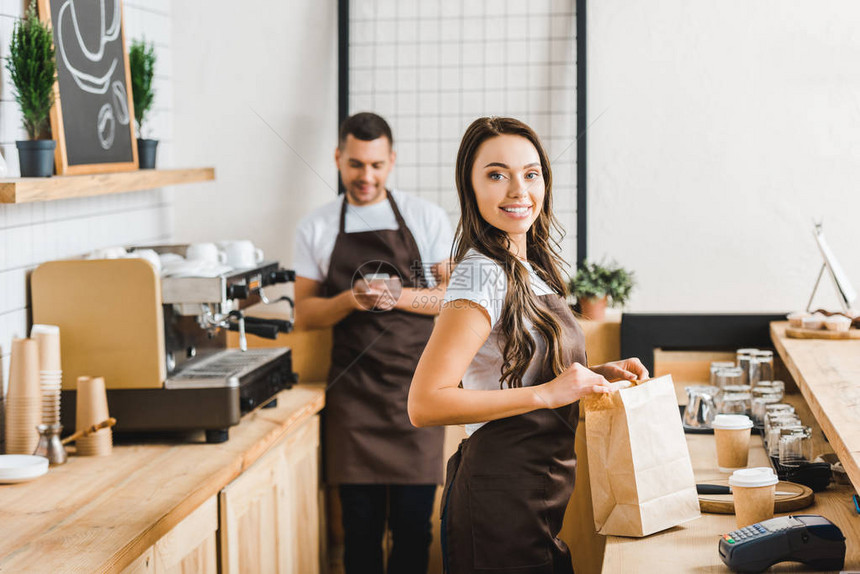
(509, 483)
(367, 434)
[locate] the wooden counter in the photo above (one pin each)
(828, 375)
(692, 547)
(101, 514)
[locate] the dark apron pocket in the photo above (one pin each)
(509, 523)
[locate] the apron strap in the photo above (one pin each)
(342, 224)
(400, 222)
(410, 242)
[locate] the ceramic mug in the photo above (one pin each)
(148, 254)
(205, 252)
(241, 253)
(108, 253)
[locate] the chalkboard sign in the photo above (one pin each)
(93, 118)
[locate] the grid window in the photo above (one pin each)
(430, 68)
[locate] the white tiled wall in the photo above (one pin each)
(37, 232)
(431, 68)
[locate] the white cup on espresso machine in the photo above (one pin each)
(205, 252)
(241, 253)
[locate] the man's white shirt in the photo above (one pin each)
(317, 231)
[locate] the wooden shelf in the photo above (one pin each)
(29, 189)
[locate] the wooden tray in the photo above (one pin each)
(723, 504)
(801, 333)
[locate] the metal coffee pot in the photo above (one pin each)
(50, 445)
(701, 407)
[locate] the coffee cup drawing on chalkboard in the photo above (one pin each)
(78, 57)
(94, 109)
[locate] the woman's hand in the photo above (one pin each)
(574, 383)
(629, 370)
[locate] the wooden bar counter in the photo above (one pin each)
(692, 547)
(827, 373)
(178, 507)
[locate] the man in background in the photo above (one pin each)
(373, 265)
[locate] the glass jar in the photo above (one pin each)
(773, 424)
(734, 400)
(730, 376)
(760, 367)
(795, 445)
(759, 402)
(717, 366)
(744, 358)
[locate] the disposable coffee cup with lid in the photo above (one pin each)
(753, 491)
(753, 477)
(732, 435)
(732, 422)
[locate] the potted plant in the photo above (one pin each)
(32, 68)
(595, 285)
(141, 62)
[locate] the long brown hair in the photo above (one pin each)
(473, 232)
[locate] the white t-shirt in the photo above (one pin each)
(317, 231)
(480, 279)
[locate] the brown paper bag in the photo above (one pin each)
(641, 476)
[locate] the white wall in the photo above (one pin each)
(246, 78)
(37, 232)
(727, 126)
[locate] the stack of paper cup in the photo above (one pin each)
(2, 413)
(24, 401)
(92, 408)
(50, 370)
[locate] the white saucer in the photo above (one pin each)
(21, 467)
(195, 269)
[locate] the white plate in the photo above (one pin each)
(21, 467)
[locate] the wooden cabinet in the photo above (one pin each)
(190, 548)
(269, 516)
(157, 508)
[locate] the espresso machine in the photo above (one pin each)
(160, 342)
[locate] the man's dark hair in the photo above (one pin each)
(365, 126)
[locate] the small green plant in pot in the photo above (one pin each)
(595, 285)
(141, 62)
(32, 68)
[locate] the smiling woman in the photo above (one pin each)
(509, 192)
(506, 332)
(507, 216)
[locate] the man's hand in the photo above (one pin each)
(377, 295)
(313, 311)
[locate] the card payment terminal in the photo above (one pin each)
(810, 539)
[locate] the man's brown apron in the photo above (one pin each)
(509, 483)
(368, 436)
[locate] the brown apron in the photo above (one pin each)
(367, 434)
(509, 483)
